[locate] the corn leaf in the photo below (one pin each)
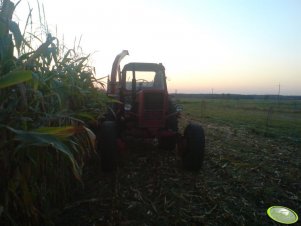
(65, 58)
(85, 115)
(6, 12)
(14, 28)
(92, 137)
(14, 78)
(60, 132)
(32, 138)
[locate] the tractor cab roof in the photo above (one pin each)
(143, 67)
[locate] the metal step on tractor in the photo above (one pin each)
(143, 109)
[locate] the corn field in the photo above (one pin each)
(48, 97)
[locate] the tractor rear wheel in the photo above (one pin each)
(108, 146)
(193, 155)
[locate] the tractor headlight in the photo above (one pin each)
(127, 107)
(179, 108)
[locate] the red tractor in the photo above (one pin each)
(143, 109)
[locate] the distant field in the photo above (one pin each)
(269, 118)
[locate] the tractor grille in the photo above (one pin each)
(153, 106)
(150, 115)
(153, 101)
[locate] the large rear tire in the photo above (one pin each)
(108, 146)
(193, 155)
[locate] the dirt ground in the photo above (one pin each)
(243, 174)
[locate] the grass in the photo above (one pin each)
(264, 117)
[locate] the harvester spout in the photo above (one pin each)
(115, 71)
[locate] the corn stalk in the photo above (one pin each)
(47, 96)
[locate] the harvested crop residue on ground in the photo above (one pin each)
(243, 175)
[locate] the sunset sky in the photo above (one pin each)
(228, 46)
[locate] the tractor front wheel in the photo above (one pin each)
(193, 155)
(108, 146)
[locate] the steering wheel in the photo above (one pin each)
(141, 81)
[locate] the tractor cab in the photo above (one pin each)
(143, 76)
(144, 94)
